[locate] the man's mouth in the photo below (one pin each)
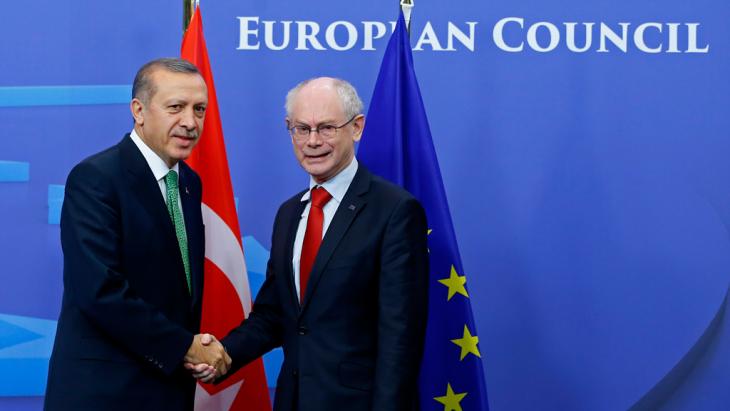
(316, 156)
(189, 135)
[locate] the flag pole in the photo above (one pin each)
(406, 7)
(188, 10)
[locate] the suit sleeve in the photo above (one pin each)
(402, 308)
(262, 331)
(94, 274)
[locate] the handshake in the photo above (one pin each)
(207, 358)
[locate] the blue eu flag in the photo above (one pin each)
(397, 146)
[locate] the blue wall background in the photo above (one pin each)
(589, 191)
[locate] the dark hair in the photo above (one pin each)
(144, 88)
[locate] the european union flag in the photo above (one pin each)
(397, 145)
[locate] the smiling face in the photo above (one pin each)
(171, 120)
(317, 104)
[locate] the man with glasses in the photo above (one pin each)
(346, 285)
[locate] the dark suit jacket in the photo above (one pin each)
(127, 318)
(356, 341)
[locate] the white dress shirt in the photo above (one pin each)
(158, 166)
(337, 187)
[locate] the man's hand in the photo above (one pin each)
(203, 372)
(207, 358)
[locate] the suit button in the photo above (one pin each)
(302, 330)
(295, 373)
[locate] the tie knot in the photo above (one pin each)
(320, 197)
(171, 179)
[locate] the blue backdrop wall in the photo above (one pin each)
(583, 147)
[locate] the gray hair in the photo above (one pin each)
(144, 88)
(351, 103)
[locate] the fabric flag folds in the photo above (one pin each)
(226, 295)
(397, 145)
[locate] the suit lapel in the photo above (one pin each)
(352, 203)
(291, 232)
(144, 187)
(194, 236)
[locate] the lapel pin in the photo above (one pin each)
(186, 190)
(352, 207)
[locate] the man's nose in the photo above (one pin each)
(187, 119)
(314, 138)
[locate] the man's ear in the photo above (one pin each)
(137, 108)
(358, 124)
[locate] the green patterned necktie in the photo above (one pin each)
(177, 220)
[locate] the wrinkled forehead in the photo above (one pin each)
(162, 78)
(317, 103)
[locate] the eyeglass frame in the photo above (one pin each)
(318, 130)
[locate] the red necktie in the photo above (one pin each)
(312, 237)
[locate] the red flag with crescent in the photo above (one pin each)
(226, 295)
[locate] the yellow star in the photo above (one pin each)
(450, 400)
(455, 282)
(468, 344)
(428, 233)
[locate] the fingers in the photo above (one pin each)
(198, 368)
(195, 351)
(208, 377)
(207, 358)
(202, 372)
(207, 339)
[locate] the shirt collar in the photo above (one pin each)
(337, 186)
(157, 165)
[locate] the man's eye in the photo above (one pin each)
(327, 128)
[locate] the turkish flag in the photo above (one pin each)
(226, 295)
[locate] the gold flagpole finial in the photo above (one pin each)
(188, 10)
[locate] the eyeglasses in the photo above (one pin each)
(326, 131)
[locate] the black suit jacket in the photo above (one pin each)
(127, 318)
(356, 341)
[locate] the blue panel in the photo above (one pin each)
(55, 202)
(25, 347)
(14, 171)
(255, 281)
(13, 335)
(28, 376)
(64, 95)
(56, 192)
(256, 255)
(272, 365)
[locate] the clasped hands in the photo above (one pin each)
(207, 358)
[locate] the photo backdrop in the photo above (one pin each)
(583, 147)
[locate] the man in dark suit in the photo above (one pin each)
(132, 238)
(346, 286)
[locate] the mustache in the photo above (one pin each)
(187, 133)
